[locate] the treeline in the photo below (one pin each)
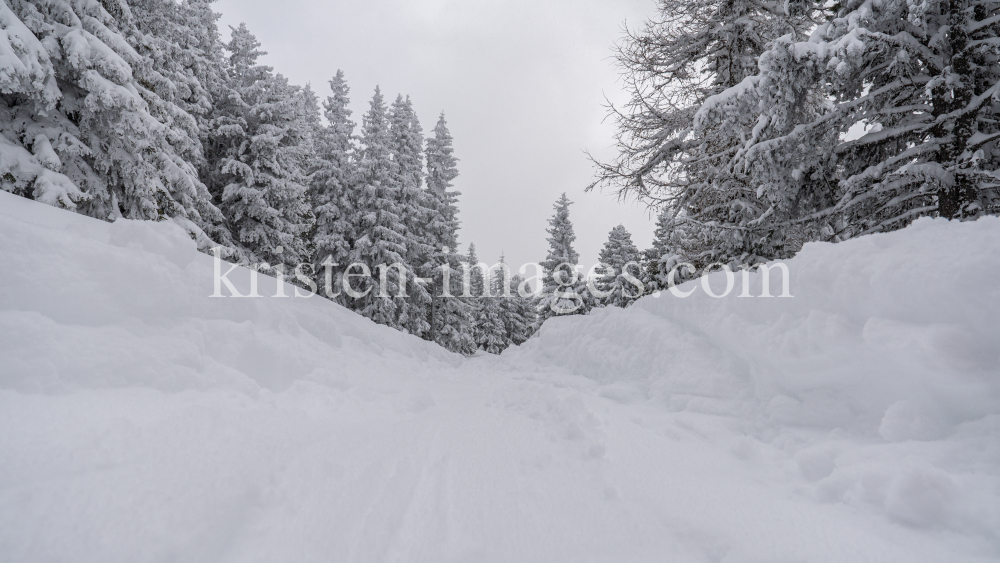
(757, 126)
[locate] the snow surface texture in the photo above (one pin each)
(141, 420)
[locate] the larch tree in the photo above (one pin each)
(688, 53)
(911, 127)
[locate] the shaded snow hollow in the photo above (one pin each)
(141, 420)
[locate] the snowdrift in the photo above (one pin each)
(892, 335)
(879, 378)
(142, 420)
(89, 304)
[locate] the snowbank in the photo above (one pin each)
(141, 420)
(89, 304)
(879, 379)
(893, 334)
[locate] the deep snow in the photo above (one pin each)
(141, 420)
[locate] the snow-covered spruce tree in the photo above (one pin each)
(665, 254)
(407, 146)
(380, 228)
(453, 316)
(259, 143)
(80, 127)
(331, 185)
(477, 280)
(310, 165)
(180, 53)
(560, 264)
(921, 78)
(313, 124)
(450, 317)
(519, 313)
(442, 169)
(691, 51)
(618, 253)
(492, 317)
(407, 149)
(181, 42)
(474, 290)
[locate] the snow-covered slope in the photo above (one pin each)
(89, 304)
(141, 420)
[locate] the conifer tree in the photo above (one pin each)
(380, 228)
(560, 264)
(442, 169)
(665, 254)
(82, 127)
(692, 51)
(477, 277)
(920, 79)
(408, 155)
(449, 316)
(454, 316)
(472, 292)
(313, 125)
(257, 151)
(181, 41)
(519, 313)
(331, 185)
(621, 255)
(493, 320)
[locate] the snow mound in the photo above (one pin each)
(89, 304)
(893, 334)
(879, 378)
(142, 420)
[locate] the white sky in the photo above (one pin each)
(522, 83)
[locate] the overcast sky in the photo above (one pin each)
(522, 83)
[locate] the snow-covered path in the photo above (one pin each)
(510, 470)
(142, 421)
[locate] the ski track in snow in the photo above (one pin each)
(142, 421)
